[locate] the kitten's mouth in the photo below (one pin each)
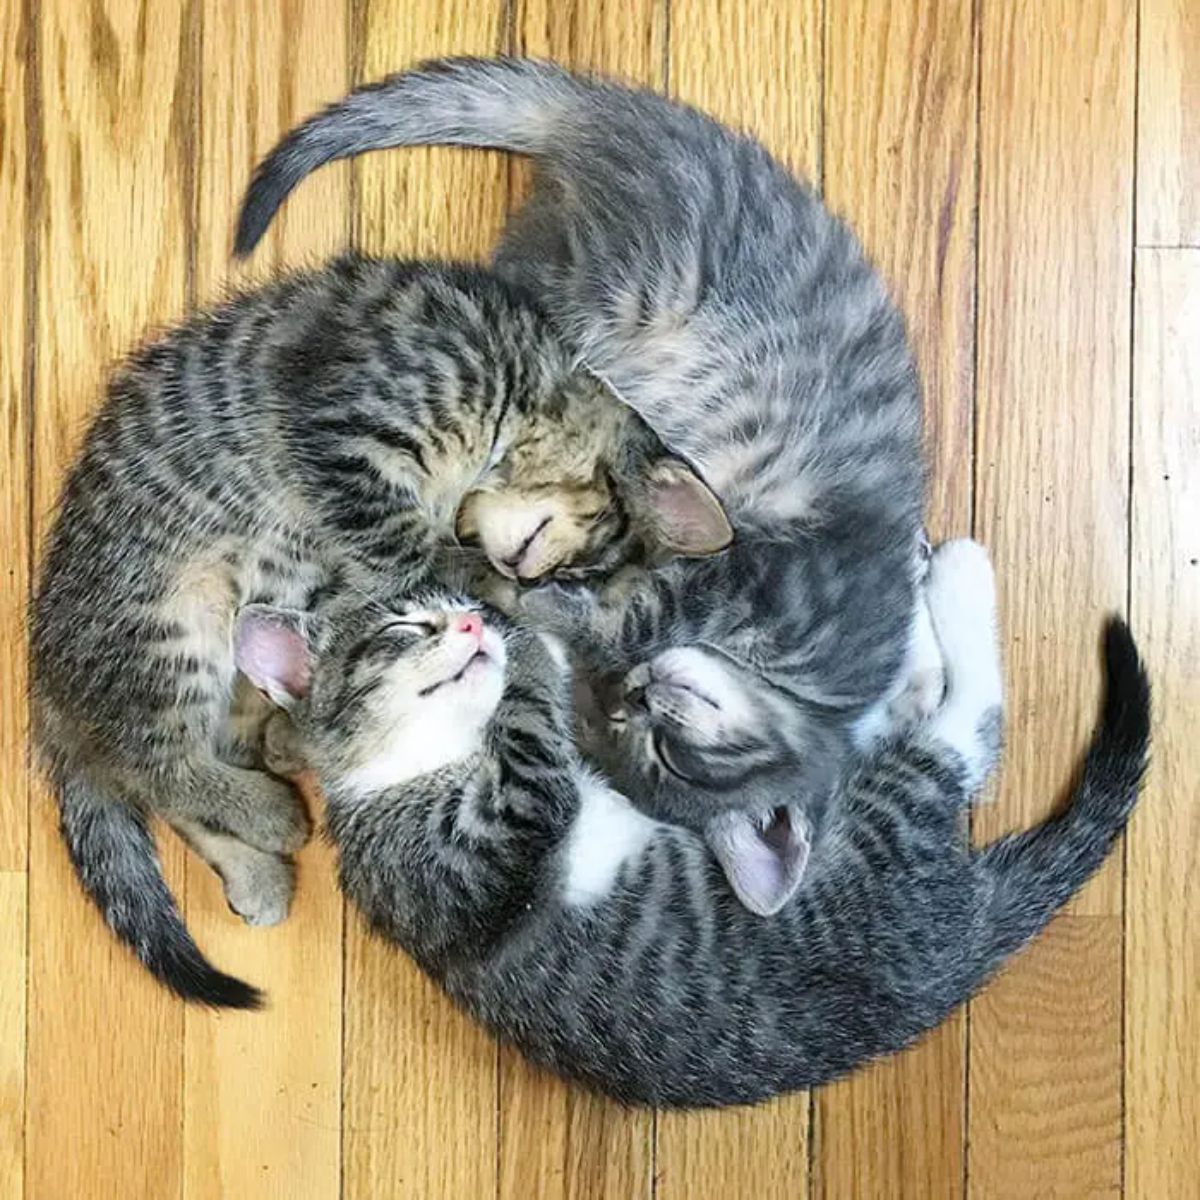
(516, 564)
(480, 657)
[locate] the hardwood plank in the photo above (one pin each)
(897, 1127)
(1162, 964)
(1046, 1050)
(756, 67)
(1055, 246)
(899, 136)
(430, 202)
(736, 1153)
(621, 39)
(556, 1140)
(14, 442)
(419, 1083)
(420, 1080)
(105, 1041)
(262, 1098)
(1168, 156)
(13, 962)
(1053, 378)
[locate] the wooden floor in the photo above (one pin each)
(1027, 173)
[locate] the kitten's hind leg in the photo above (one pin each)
(251, 806)
(258, 886)
(961, 592)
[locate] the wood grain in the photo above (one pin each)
(262, 1095)
(1055, 249)
(621, 39)
(13, 961)
(420, 1086)
(1056, 140)
(717, 56)
(1168, 152)
(1162, 963)
(14, 441)
(560, 1141)
(105, 1041)
(899, 136)
(743, 1152)
(1045, 1115)
(756, 67)
(436, 202)
(555, 1141)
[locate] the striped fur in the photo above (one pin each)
(315, 436)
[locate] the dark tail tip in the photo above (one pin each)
(263, 198)
(1126, 718)
(191, 977)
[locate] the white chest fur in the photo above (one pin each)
(608, 833)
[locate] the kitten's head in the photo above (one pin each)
(700, 741)
(585, 489)
(379, 696)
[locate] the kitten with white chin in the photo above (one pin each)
(605, 945)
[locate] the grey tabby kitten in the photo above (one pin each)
(735, 314)
(319, 434)
(606, 945)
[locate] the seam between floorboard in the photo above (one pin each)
(1129, 502)
(34, 166)
(972, 494)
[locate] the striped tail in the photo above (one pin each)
(500, 104)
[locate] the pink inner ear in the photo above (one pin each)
(690, 517)
(273, 656)
(764, 867)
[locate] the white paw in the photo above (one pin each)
(961, 594)
(960, 577)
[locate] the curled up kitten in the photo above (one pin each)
(319, 434)
(605, 945)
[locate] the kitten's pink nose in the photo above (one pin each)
(471, 623)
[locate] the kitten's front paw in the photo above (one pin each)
(261, 890)
(921, 696)
(282, 751)
(961, 585)
(561, 608)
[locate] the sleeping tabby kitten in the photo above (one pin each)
(318, 434)
(735, 314)
(606, 945)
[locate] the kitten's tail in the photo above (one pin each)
(116, 862)
(499, 104)
(1034, 873)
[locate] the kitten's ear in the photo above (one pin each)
(270, 647)
(764, 863)
(687, 517)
